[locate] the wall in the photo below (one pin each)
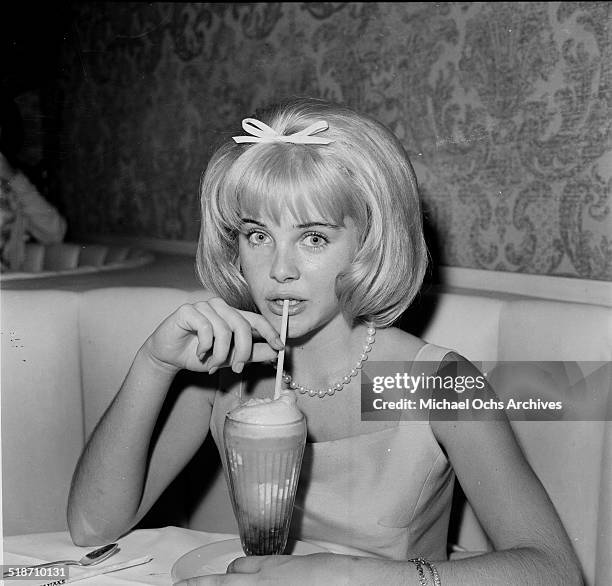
(505, 108)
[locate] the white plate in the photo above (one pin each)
(214, 558)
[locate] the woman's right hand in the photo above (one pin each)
(209, 334)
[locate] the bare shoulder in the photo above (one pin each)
(470, 389)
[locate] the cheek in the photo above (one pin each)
(325, 274)
(248, 256)
(252, 275)
(250, 265)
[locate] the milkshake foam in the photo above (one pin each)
(268, 411)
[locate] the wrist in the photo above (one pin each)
(384, 571)
(426, 571)
(161, 368)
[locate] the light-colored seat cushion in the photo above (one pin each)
(42, 407)
(113, 324)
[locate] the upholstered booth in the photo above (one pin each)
(70, 258)
(65, 353)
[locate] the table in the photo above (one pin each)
(165, 545)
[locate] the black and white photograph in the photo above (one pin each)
(306, 293)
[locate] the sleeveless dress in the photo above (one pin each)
(384, 494)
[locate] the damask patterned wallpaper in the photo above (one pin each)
(504, 107)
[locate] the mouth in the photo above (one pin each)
(296, 304)
(281, 300)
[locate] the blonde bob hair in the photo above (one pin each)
(364, 174)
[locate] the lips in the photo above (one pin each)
(275, 304)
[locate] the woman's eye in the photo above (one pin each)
(257, 238)
(315, 240)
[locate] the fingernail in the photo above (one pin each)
(278, 343)
(213, 370)
(238, 366)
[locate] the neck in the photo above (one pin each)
(326, 355)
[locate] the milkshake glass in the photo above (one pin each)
(263, 462)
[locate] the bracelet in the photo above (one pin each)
(419, 563)
(434, 572)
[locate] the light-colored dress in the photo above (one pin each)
(387, 493)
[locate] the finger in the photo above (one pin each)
(222, 334)
(264, 328)
(258, 323)
(245, 565)
(262, 352)
(242, 333)
(192, 320)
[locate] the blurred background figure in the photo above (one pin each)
(25, 215)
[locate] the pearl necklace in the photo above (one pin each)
(331, 390)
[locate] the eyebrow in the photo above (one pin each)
(301, 226)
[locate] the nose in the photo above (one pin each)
(284, 266)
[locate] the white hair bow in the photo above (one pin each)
(261, 132)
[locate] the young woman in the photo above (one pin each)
(318, 204)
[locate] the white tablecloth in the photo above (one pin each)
(165, 545)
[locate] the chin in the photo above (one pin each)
(299, 328)
(296, 330)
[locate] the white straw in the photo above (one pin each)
(102, 570)
(281, 354)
